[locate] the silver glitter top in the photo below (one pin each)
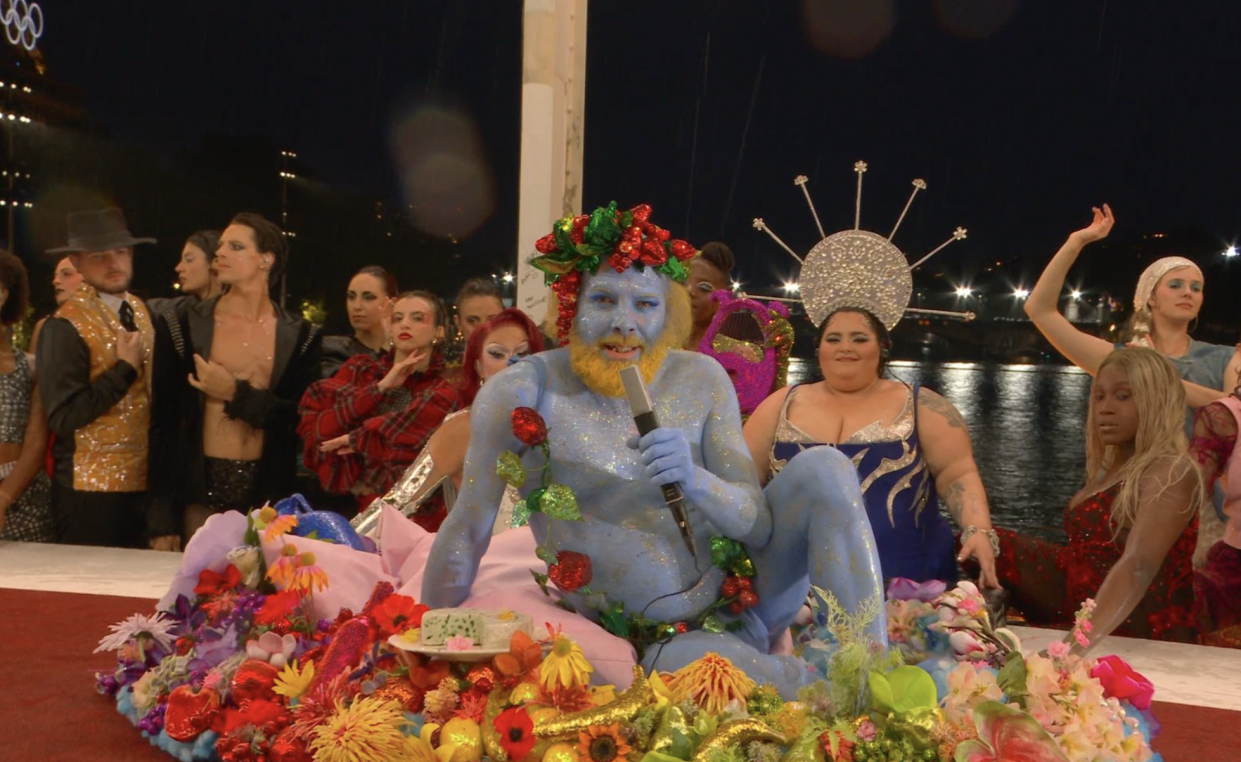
(856, 268)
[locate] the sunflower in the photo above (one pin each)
(566, 665)
(516, 731)
(602, 744)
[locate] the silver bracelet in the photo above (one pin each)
(994, 538)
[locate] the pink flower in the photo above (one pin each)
(970, 606)
(459, 643)
(867, 730)
(964, 644)
(1120, 681)
(1081, 638)
(1058, 649)
(272, 648)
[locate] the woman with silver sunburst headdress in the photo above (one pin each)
(910, 445)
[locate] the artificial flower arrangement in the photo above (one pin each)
(240, 672)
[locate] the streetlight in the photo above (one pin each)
(1075, 294)
(1231, 252)
(508, 278)
(1021, 293)
(791, 287)
(736, 285)
(964, 292)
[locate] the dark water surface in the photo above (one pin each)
(1027, 423)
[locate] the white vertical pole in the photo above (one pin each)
(553, 112)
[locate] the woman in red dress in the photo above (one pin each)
(1132, 529)
(401, 396)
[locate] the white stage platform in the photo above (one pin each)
(1182, 674)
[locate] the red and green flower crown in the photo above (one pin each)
(627, 239)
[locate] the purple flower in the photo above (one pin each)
(902, 589)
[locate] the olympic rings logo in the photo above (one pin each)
(23, 22)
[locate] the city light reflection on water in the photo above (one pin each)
(1027, 425)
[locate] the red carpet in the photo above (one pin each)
(49, 710)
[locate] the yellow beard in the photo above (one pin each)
(602, 375)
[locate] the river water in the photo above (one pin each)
(1027, 423)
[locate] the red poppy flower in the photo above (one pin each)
(213, 583)
(528, 426)
(397, 614)
(277, 607)
(516, 731)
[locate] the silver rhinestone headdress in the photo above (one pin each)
(858, 268)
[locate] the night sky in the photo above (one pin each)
(1019, 115)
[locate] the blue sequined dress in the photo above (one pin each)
(914, 539)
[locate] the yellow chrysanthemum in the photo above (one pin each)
(368, 730)
(278, 526)
(566, 665)
(711, 682)
(293, 682)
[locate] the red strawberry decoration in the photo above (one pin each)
(190, 713)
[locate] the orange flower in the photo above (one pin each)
(309, 576)
(524, 656)
(602, 744)
(282, 572)
(280, 525)
(711, 683)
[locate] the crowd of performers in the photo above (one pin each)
(837, 483)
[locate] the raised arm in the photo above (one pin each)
(945, 441)
(760, 431)
(466, 532)
(1165, 507)
(1080, 348)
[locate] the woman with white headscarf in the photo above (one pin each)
(1167, 300)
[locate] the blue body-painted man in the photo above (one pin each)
(808, 526)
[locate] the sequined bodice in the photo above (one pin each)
(15, 399)
(878, 431)
(914, 540)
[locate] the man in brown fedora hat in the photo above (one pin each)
(93, 363)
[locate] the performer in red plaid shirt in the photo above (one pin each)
(364, 425)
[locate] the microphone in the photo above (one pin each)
(644, 416)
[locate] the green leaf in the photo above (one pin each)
(541, 580)
(912, 689)
(615, 621)
(559, 502)
(902, 691)
(725, 552)
(521, 514)
(1012, 679)
(510, 469)
(881, 693)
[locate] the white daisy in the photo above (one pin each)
(139, 625)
